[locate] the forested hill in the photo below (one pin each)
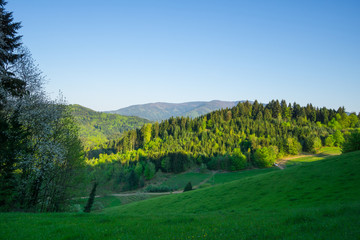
(97, 128)
(161, 111)
(232, 139)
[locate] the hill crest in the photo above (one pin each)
(159, 111)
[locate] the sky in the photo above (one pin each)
(111, 54)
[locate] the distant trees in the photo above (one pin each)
(250, 134)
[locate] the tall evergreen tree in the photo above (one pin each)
(11, 134)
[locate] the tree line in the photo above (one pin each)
(250, 134)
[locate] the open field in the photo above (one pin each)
(314, 200)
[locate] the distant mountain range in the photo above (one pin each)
(161, 110)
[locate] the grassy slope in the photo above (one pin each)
(316, 200)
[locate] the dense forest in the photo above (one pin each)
(96, 128)
(247, 135)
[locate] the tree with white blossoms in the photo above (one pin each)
(53, 156)
(40, 152)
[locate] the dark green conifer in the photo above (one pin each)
(91, 199)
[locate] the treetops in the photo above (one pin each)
(283, 128)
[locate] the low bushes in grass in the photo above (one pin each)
(160, 188)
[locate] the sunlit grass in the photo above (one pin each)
(314, 200)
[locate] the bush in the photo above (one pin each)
(352, 142)
(330, 141)
(266, 156)
(188, 187)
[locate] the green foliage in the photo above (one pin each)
(330, 141)
(149, 172)
(292, 146)
(139, 169)
(312, 144)
(132, 180)
(338, 138)
(238, 160)
(352, 142)
(188, 187)
(221, 139)
(165, 164)
(266, 156)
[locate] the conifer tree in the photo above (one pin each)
(11, 133)
(91, 199)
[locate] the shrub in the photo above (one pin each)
(188, 187)
(266, 156)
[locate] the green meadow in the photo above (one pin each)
(312, 200)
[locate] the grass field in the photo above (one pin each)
(313, 200)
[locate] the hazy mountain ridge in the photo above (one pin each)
(162, 110)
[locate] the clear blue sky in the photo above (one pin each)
(114, 53)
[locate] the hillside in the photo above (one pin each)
(97, 128)
(161, 110)
(315, 200)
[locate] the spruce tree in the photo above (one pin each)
(91, 199)
(9, 43)
(11, 133)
